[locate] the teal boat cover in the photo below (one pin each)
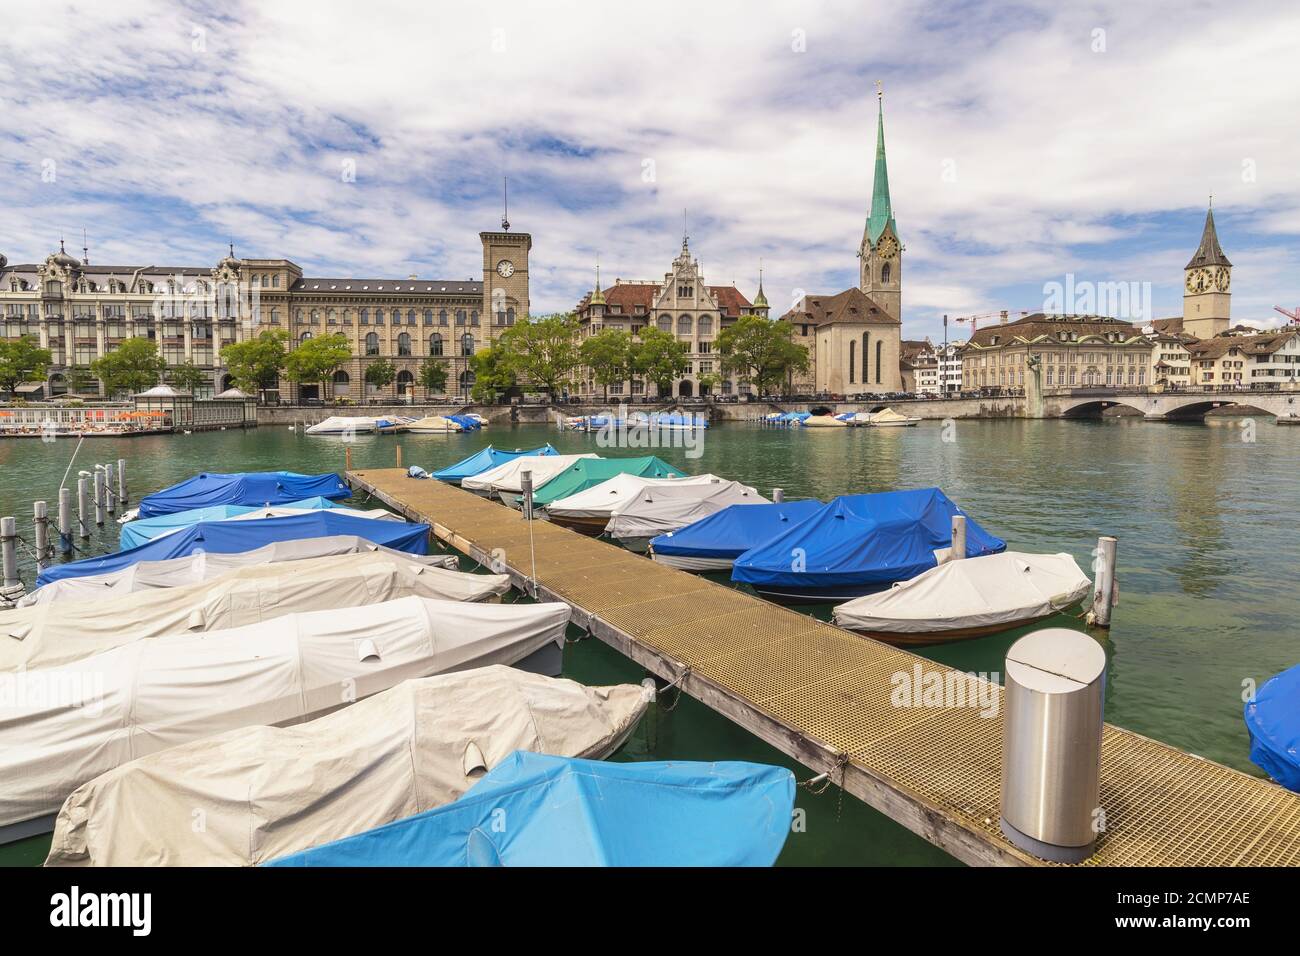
(732, 531)
(136, 533)
(481, 461)
(229, 537)
(586, 472)
(242, 488)
(1273, 719)
(537, 810)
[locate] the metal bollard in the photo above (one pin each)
(958, 538)
(526, 489)
(778, 495)
(65, 520)
(110, 499)
(1104, 586)
(99, 495)
(41, 525)
(1053, 707)
(121, 482)
(9, 552)
(83, 504)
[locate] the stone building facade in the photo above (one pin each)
(1074, 351)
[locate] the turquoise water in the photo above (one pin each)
(1207, 557)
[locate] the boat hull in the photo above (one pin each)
(591, 527)
(948, 635)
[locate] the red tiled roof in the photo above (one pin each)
(851, 305)
(629, 295)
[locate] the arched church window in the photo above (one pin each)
(884, 274)
(879, 346)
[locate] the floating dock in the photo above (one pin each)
(822, 695)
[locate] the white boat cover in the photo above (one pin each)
(51, 634)
(975, 592)
(607, 498)
(272, 511)
(63, 726)
(433, 423)
(265, 792)
(191, 569)
(656, 511)
(505, 476)
(341, 425)
(887, 416)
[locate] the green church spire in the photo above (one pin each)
(882, 214)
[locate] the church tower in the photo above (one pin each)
(881, 254)
(1207, 278)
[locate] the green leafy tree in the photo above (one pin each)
(316, 360)
(708, 382)
(80, 379)
(433, 376)
(761, 352)
(255, 364)
(381, 373)
(660, 358)
(22, 360)
(608, 354)
(543, 351)
(186, 377)
(493, 373)
(132, 367)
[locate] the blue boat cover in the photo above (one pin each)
(734, 530)
(465, 422)
(481, 461)
(241, 488)
(1273, 719)
(230, 537)
(859, 543)
(136, 533)
(538, 810)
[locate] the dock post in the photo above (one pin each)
(41, 523)
(83, 504)
(65, 521)
(1103, 592)
(778, 495)
(526, 491)
(99, 495)
(110, 500)
(347, 457)
(399, 456)
(9, 552)
(121, 482)
(958, 538)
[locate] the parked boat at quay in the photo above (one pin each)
(485, 460)
(241, 488)
(1272, 717)
(592, 509)
(142, 530)
(507, 478)
(714, 543)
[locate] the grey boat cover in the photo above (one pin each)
(257, 793)
(191, 569)
(61, 727)
(508, 475)
(661, 509)
(52, 634)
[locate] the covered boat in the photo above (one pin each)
(961, 599)
(225, 537)
(714, 543)
(270, 791)
(345, 425)
(888, 418)
(433, 425)
(665, 508)
(51, 634)
(1273, 720)
(242, 488)
(467, 423)
(205, 566)
(484, 460)
(858, 544)
(136, 533)
(591, 509)
(588, 472)
(571, 812)
(165, 691)
(505, 478)
(824, 421)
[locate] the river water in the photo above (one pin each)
(1204, 513)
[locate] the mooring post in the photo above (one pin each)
(41, 523)
(9, 552)
(99, 495)
(347, 457)
(399, 456)
(1103, 592)
(958, 538)
(83, 504)
(110, 499)
(65, 520)
(778, 495)
(526, 490)
(121, 482)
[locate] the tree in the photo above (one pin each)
(186, 377)
(708, 382)
(761, 352)
(316, 360)
(660, 358)
(543, 351)
(132, 367)
(433, 376)
(255, 363)
(22, 360)
(608, 354)
(381, 373)
(493, 373)
(80, 380)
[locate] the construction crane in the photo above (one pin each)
(1292, 314)
(974, 320)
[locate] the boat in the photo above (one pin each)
(677, 421)
(506, 479)
(242, 488)
(468, 423)
(485, 460)
(206, 566)
(136, 533)
(267, 792)
(566, 811)
(344, 425)
(161, 692)
(714, 543)
(483, 422)
(888, 418)
(665, 508)
(970, 598)
(858, 544)
(433, 425)
(49, 635)
(823, 421)
(590, 510)
(1273, 721)
(588, 472)
(223, 537)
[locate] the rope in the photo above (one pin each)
(686, 672)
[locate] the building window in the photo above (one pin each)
(473, 317)
(410, 317)
(404, 343)
(379, 316)
(467, 344)
(866, 352)
(665, 323)
(442, 316)
(884, 274)
(428, 316)
(852, 346)
(684, 325)
(510, 316)
(460, 316)
(365, 316)
(879, 348)
(372, 344)
(705, 325)
(435, 344)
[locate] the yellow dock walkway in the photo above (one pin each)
(822, 696)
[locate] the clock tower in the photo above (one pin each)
(880, 270)
(505, 279)
(1207, 278)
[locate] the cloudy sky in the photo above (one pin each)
(1027, 142)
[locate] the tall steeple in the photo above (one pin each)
(1209, 252)
(880, 255)
(597, 297)
(882, 213)
(1207, 285)
(760, 300)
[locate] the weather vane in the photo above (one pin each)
(880, 89)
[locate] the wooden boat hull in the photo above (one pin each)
(591, 527)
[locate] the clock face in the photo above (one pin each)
(887, 248)
(1198, 280)
(505, 268)
(1221, 279)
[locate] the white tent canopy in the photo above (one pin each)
(63, 726)
(983, 592)
(506, 476)
(658, 510)
(267, 791)
(205, 566)
(56, 633)
(612, 494)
